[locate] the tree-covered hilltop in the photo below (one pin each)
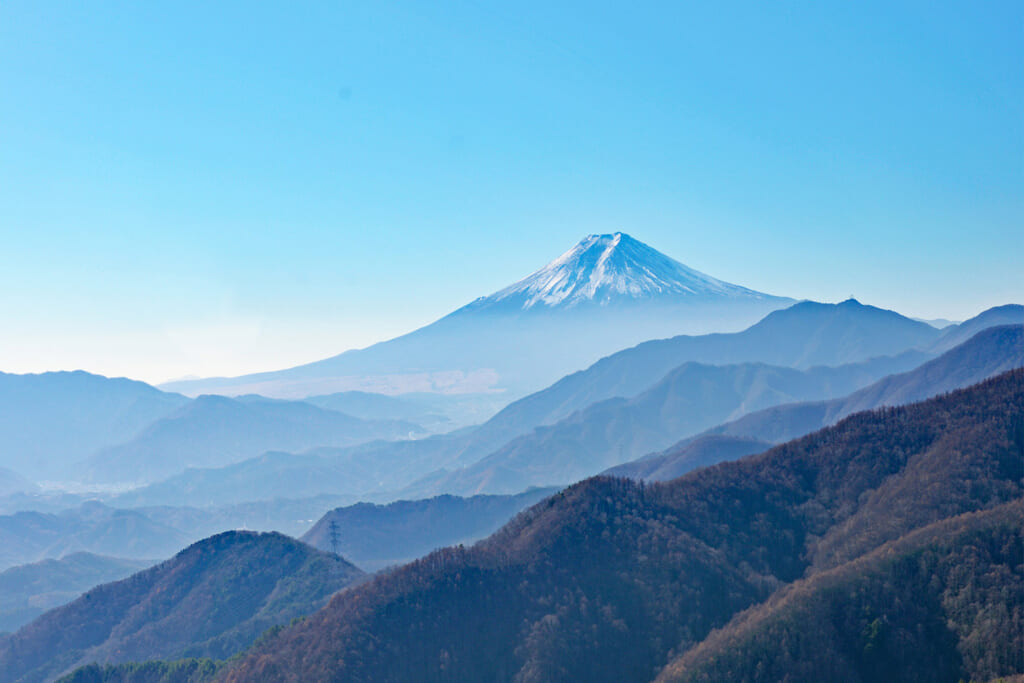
(212, 599)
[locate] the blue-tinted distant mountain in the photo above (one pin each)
(832, 334)
(687, 400)
(617, 430)
(214, 431)
(802, 336)
(987, 353)
(29, 590)
(212, 599)
(606, 293)
(378, 536)
(379, 470)
(369, 406)
(938, 323)
(1011, 314)
(51, 420)
(27, 537)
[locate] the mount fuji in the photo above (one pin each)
(606, 293)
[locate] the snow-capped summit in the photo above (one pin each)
(604, 269)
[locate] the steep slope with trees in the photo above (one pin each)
(944, 603)
(212, 599)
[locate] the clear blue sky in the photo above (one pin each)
(214, 188)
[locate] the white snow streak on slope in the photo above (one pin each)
(605, 267)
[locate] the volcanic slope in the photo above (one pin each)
(606, 293)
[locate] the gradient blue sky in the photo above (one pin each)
(215, 188)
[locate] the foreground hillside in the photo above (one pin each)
(212, 599)
(611, 580)
(941, 601)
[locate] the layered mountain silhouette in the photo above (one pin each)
(883, 548)
(378, 536)
(212, 599)
(989, 352)
(30, 536)
(215, 430)
(606, 293)
(51, 420)
(796, 336)
(688, 400)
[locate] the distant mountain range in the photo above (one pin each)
(488, 459)
(987, 353)
(379, 536)
(606, 293)
(687, 400)
(212, 599)
(50, 420)
(213, 431)
(30, 536)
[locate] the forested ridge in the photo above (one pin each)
(612, 580)
(213, 599)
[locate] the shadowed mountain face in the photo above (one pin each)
(51, 420)
(610, 580)
(988, 353)
(913, 610)
(378, 536)
(214, 431)
(212, 599)
(606, 293)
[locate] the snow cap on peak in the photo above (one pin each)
(608, 267)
